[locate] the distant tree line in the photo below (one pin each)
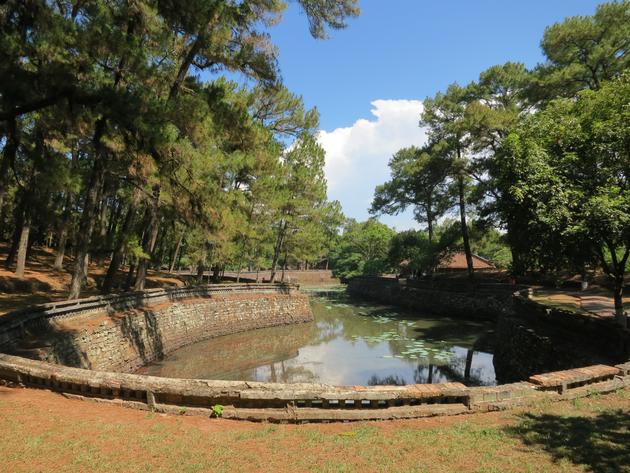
(373, 248)
(122, 142)
(542, 154)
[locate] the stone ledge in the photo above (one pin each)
(287, 402)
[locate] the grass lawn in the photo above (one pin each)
(42, 431)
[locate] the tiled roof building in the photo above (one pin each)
(458, 261)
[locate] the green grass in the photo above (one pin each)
(590, 434)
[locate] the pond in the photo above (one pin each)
(351, 342)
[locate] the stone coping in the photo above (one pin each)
(304, 402)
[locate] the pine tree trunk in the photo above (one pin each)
(101, 235)
(238, 272)
(65, 223)
(518, 265)
(284, 266)
(61, 249)
(113, 223)
(276, 251)
(31, 243)
(517, 262)
(4, 171)
(620, 315)
(464, 226)
(153, 229)
(2, 216)
(112, 270)
(23, 248)
(467, 368)
(177, 249)
(130, 273)
(8, 156)
(88, 217)
(63, 236)
(15, 242)
(119, 251)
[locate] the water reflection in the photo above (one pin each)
(350, 342)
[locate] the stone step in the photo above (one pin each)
(564, 379)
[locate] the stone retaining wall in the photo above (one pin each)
(123, 333)
(523, 349)
(603, 334)
(205, 312)
(481, 301)
(533, 336)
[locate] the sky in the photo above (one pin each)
(368, 81)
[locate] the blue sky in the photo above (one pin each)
(368, 80)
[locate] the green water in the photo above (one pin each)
(350, 342)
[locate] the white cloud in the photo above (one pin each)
(357, 156)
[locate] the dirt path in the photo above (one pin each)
(594, 302)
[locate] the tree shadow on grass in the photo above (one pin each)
(600, 443)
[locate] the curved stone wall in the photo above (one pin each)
(484, 301)
(123, 333)
(155, 322)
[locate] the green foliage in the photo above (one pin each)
(103, 114)
(408, 249)
(491, 245)
(551, 173)
(584, 51)
(362, 249)
(565, 171)
(134, 249)
(323, 13)
(412, 252)
(217, 410)
(418, 180)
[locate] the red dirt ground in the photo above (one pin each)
(44, 431)
(43, 284)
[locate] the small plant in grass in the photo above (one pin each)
(183, 411)
(217, 410)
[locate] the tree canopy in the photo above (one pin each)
(137, 160)
(538, 159)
